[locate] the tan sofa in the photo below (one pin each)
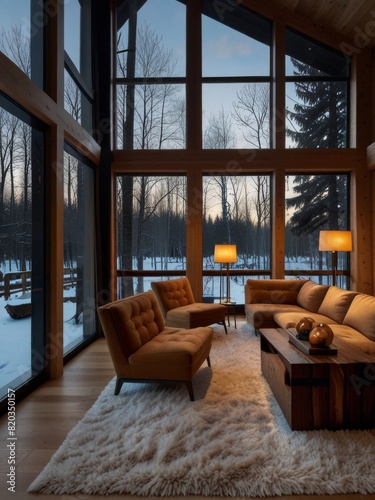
(144, 350)
(274, 303)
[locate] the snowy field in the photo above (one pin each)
(15, 340)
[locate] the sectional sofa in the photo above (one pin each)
(272, 303)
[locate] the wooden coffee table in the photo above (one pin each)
(319, 392)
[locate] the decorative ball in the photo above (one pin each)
(321, 335)
(304, 327)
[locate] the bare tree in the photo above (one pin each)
(16, 46)
(148, 199)
(219, 134)
(251, 112)
(156, 112)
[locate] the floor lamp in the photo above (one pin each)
(335, 241)
(225, 254)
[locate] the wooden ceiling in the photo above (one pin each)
(349, 18)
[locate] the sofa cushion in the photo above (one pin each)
(283, 318)
(353, 337)
(311, 295)
(197, 314)
(262, 315)
(272, 291)
(172, 355)
(336, 303)
(361, 315)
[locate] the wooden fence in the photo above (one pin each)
(20, 281)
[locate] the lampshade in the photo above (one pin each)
(335, 241)
(225, 254)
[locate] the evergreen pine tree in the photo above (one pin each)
(321, 118)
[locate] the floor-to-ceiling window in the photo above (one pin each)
(79, 294)
(22, 252)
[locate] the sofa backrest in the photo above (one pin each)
(272, 291)
(129, 323)
(311, 295)
(336, 303)
(361, 315)
(173, 293)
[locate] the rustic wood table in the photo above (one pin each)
(319, 391)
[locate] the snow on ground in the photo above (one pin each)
(15, 341)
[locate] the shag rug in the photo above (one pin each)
(233, 441)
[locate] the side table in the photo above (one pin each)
(230, 304)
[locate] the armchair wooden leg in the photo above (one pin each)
(189, 386)
(209, 361)
(118, 386)
(225, 326)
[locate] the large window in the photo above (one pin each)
(315, 203)
(236, 77)
(236, 211)
(151, 229)
(78, 91)
(79, 251)
(22, 254)
(151, 55)
(317, 92)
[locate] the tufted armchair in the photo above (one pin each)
(144, 350)
(179, 308)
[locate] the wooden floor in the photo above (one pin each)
(45, 417)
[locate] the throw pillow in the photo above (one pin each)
(336, 303)
(311, 296)
(361, 315)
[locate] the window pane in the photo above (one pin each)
(21, 36)
(156, 120)
(158, 33)
(315, 58)
(314, 203)
(21, 252)
(77, 36)
(72, 31)
(236, 210)
(79, 252)
(151, 227)
(78, 84)
(236, 115)
(317, 114)
(235, 42)
(76, 103)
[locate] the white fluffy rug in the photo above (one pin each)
(232, 441)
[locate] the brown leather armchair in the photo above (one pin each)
(179, 308)
(144, 350)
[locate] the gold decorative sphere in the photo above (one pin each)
(304, 327)
(321, 335)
